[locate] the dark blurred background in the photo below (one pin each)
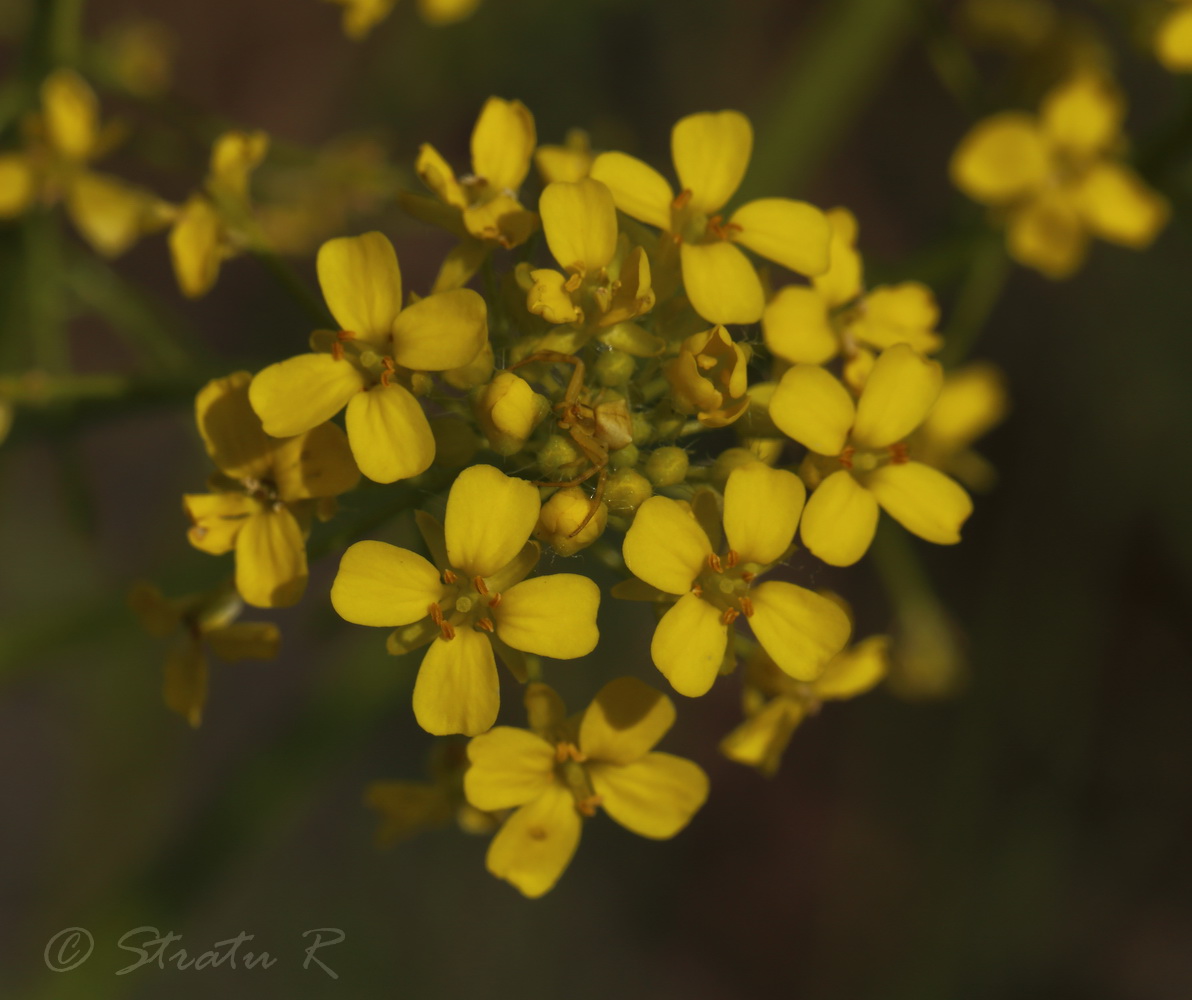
(1027, 837)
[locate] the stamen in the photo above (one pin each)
(589, 805)
(697, 590)
(480, 585)
(846, 457)
(337, 351)
(731, 558)
(748, 576)
(746, 606)
(485, 624)
(494, 601)
(436, 614)
(730, 615)
(447, 629)
(898, 453)
(566, 751)
(681, 200)
(385, 380)
(449, 576)
(714, 563)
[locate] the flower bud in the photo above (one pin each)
(615, 368)
(667, 466)
(626, 490)
(730, 459)
(563, 513)
(708, 378)
(768, 450)
(508, 410)
(556, 455)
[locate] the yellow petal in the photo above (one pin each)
(973, 400)
(1173, 42)
(244, 641)
(840, 520)
(445, 330)
(271, 560)
(1048, 234)
(110, 214)
(380, 584)
(639, 190)
(798, 328)
(1083, 115)
(924, 501)
(299, 393)
(800, 630)
(489, 518)
(196, 247)
(1002, 158)
(570, 162)
(361, 282)
(501, 219)
(550, 615)
(813, 407)
(17, 184)
(216, 519)
(502, 143)
(856, 670)
(842, 282)
(665, 546)
(316, 464)
(536, 843)
(721, 283)
(460, 265)
(71, 114)
(184, 686)
(457, 690)
(899, 314)
(900, 392)
(1118, 206)
(580, 224)
(711, 151)
(653, 797)
(230, 428)
(234, 156)
(760, 740)
(688, 645)
(791, 233)
(624, 721)
(389, 434)
(437, 175)
(761, 511)
(507, 768)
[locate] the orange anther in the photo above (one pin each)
(337, 351)
(681, 200)
(484, 624)
(715, 563)
(385, 380)
(480, 585)
(449, 576)
(436, 614)
(345, 335)
(697, 590)
(589, 805)
(731, 558)
(898, 453)
(846, 457)
(447, 629)
(387, 363)
(494, 600)
(748, 577)
(746, 606)
(730, 615)
(565, 751)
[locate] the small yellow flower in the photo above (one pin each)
(477, 591)
(265, 492)
(370, 362)
(204, 621)
(869, 465)
(709, 378)
(1059, 178)
(972, 402)
(711, 151)
(560, 772)
(667, 548)
(813, 324)
(775, 704)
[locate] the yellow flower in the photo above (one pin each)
(1058, 178)
(866, 463)
(482, 207)
(571, 161)
(475, 589)
(560, 772)
(370, 362)
(1173, 39)
(812, 324)
(711, 151)
(265, 493)
(775, 703)
(209, 227)
(670, 550)
(604, 277)
(708, 378)
(203, 621)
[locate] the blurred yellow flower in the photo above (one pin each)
(1173, 39)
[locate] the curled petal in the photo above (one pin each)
(230, 428)
(316, 464)
(760, 740)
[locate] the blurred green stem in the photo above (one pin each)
(979, 292)
(825, 84)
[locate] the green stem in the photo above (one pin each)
(979, 293)
(824, 86)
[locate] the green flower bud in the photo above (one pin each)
(667, 466)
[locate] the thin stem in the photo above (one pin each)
(979, 293)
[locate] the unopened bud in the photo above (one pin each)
(563, 513)
(627, 490)
(730, 459)
(615, 368)
(508, 410)
(667, 466)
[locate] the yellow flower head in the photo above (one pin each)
(475, 589)
(263, 499)
(202, 622)
(708, 378)
(711, 151)
(1059, 178)
(670, 550)
(813, 324)
(369, 363)
(870, 465)
(775, 703)
(560, 772)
